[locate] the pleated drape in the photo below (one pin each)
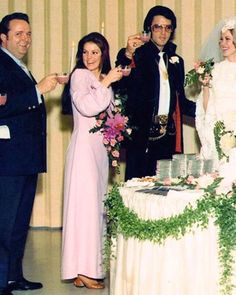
(56, 24)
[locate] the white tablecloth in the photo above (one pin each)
(188, 266)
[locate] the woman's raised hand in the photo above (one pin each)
(113, 76)
(206, 80)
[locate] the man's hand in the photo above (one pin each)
(47, 84)
(133, 43)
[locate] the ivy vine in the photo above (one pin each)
(122, 220)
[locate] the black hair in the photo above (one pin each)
(4, 24)
(160, 10)
(102, 43)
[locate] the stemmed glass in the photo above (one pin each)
(145, 36)
(62, 78)
(125, 70)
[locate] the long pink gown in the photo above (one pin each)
(85, 183)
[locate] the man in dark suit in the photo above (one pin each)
(22, 148)
(156, 99)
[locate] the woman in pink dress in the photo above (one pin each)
(86, 169)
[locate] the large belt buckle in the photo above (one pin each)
(161, 119)
(159, 127)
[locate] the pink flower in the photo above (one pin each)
(120, 138)
(115, 153)
(214, 174)
(197, 65)
(99, 123)
(190, 179)
(102, 115)
(114, 163)
(113, 125)
(167, 181)
(113, 142)
(105, 141)
(117, 122)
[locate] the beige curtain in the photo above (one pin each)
(58, 23)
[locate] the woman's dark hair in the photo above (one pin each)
(160, 10)
(102, 43)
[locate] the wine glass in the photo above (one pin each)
(62, 78)
(145, 36)
(125, 70)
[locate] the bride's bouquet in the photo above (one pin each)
(193, 78)
(224, 139)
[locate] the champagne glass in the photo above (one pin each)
(125, 70)
(62, 78)
(145, 36)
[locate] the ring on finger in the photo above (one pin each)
(134, 44)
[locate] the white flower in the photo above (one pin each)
(174, 59)
(227, 142)
(129, 130)
(205, 180)
(117, 102)
(229, 25)
(200, 70)
(224, 187)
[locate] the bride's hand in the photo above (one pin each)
(206, 80)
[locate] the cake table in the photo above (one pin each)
(187, 266)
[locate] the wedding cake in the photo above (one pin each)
(182, 165)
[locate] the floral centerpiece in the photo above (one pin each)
(114, 126)
(193, 78)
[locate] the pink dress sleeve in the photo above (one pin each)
(89, 96)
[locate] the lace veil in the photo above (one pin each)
(211, 47)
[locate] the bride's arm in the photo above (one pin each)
(205, 90)
(205, 95)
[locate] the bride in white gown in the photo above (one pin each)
(217, 100)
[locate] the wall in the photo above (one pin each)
(57, 23)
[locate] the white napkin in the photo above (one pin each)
(4, 132)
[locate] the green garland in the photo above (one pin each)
(122, 220)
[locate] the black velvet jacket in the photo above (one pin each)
(143, 85)
(25, 152)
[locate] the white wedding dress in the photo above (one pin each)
(221, 106)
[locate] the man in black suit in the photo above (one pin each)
(22, 148)
(156, 99)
